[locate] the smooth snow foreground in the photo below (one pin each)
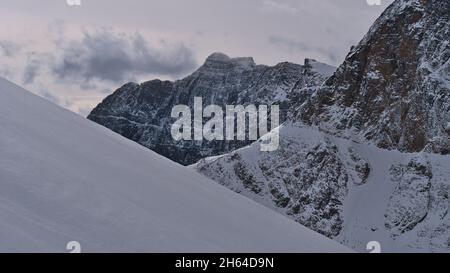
(64, 178)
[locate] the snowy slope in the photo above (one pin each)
(347, 190)
(64, 178)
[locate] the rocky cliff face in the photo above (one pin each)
(393, 89)
(306, 178)
(352, 192)
(141, 112)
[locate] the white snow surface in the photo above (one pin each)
(64, 178)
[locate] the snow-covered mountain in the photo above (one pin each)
(141, 112)
(352, 192)
(393, 90)
(64, 178)
(362, 157)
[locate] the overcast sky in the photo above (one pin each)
(77, 55)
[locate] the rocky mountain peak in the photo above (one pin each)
(217, 57)
(141, 112)
(218, 60)
(393, 88)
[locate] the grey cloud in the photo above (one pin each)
(49, 96)
(31, 70)
(35, 63)
(333, 57)
(289, 44)
(88, 85)
(56, 29)
(84, 111)
(5, 71)
(9, 49)
(293, 46)
(108, 56)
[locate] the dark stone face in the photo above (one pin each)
(393, 87)
(142, 112)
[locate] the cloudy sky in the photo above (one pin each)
(77, 55)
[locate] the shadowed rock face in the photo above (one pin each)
(305, 178)
(410, 202)
(394, 87)
(392, 90)
(141, 112)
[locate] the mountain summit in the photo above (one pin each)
(216, 59)
(393, 89)
(141, 112)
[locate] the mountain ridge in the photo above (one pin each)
(142, 112)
